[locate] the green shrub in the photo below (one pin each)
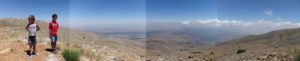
(239, 51)
(297, 56)
(71, 55)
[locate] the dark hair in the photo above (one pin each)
(31, 17)
(54, 15)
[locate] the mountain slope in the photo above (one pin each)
(280, 45)
(93, 48)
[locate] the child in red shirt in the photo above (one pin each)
(53, 28)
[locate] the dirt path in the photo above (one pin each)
(51, 57)
(13, 46)
(18, 52)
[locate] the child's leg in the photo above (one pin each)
(34, 43)
(34, 48)
(55, 41)
(30, 45)
(52, 42)
(30, 49)
(52, 45)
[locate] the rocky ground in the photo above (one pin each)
(279, 45)
(13, 44)
(14, 47)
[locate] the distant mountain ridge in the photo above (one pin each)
(279, 45)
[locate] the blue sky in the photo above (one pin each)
(256, 9)
(130, 12)
(179, 10)
(41, 9)
(78, 12)
(244, 10)
(107, 9)
(107, 12)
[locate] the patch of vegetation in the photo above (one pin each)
(297, 56)
(239, 51)
(71, 55)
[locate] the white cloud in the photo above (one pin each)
(186, 22)
(256, 26)
(268, 12)
(219, 23)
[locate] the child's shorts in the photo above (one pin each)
(53, 38)
(32, 40)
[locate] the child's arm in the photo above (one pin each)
(26, 28)
(57, 26)
(50, 27)
(38, 28)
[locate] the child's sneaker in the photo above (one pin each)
(34, 53)
(54, 51)
(29, 56)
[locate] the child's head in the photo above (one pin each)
(31, 19)
(54, 17)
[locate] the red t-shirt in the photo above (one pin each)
(53, 27)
